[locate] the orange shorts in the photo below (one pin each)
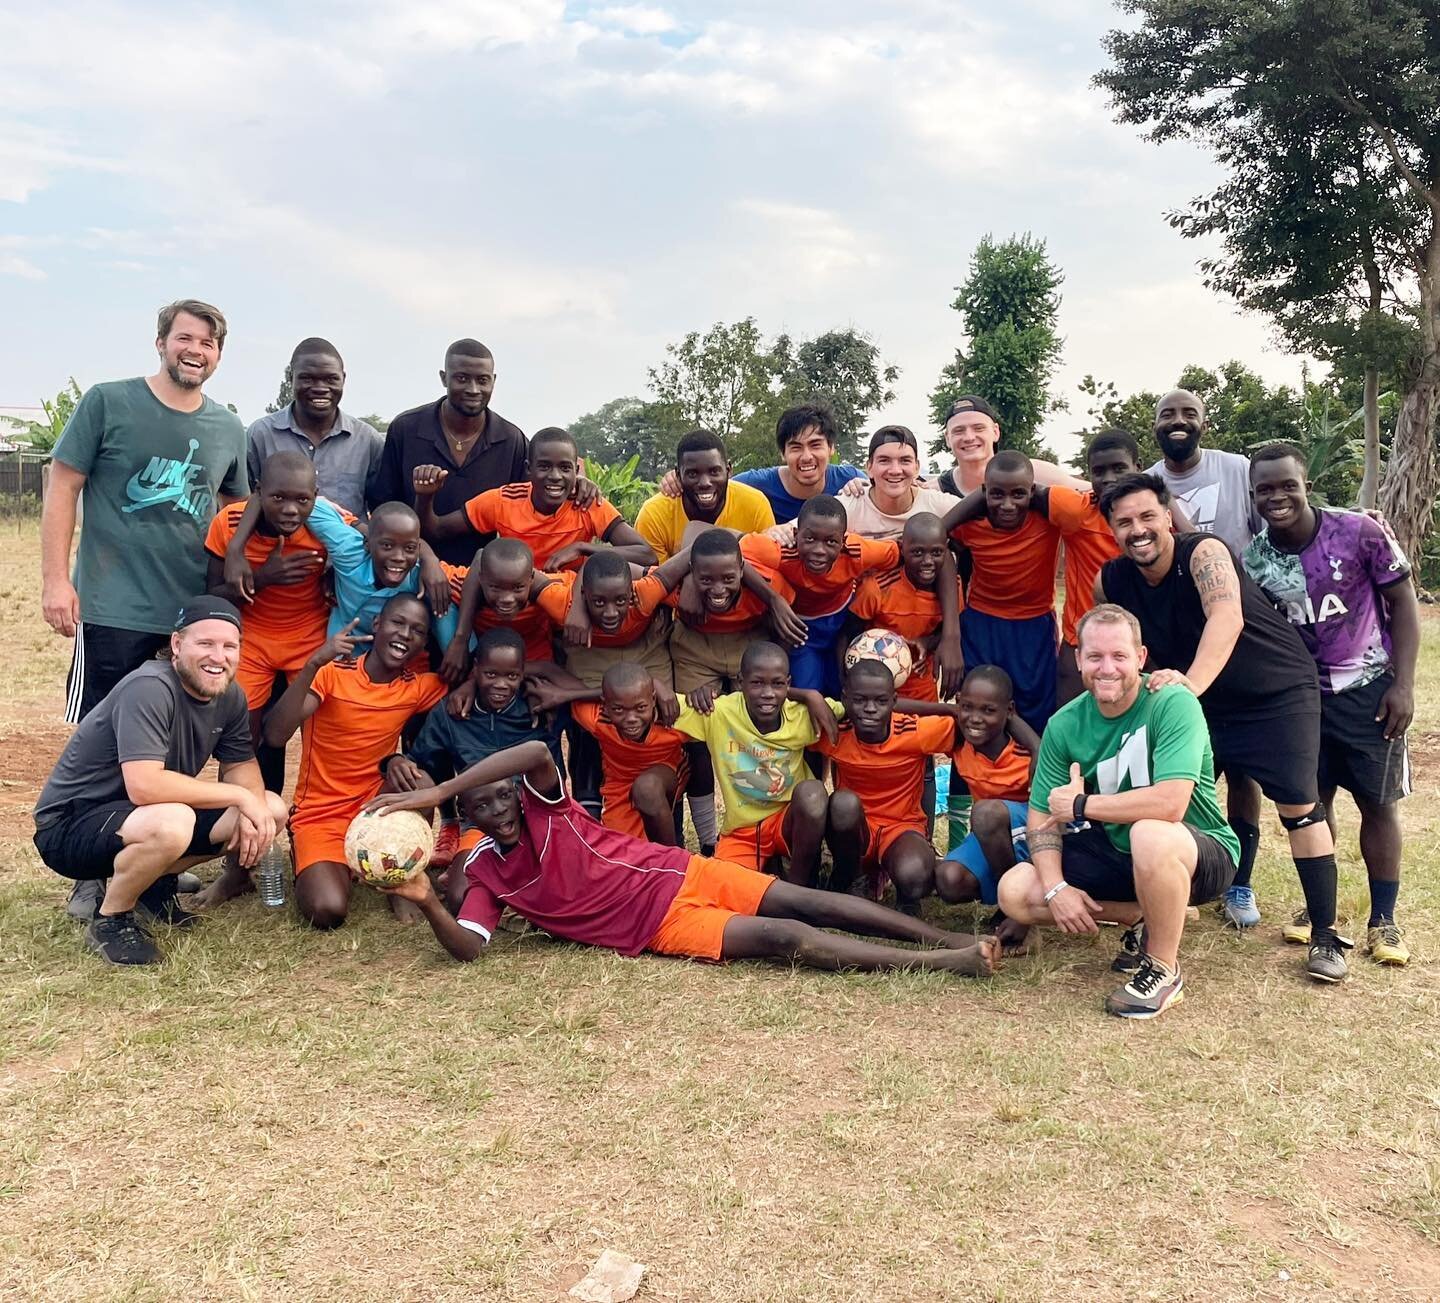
(262, 659)
(884, 835)
(324, 839)
(921, 685)
(619, 812)
(752, 846)
(713, 892)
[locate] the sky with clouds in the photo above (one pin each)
(575, 185)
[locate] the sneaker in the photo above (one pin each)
(447, 843)
(1151, 991)
(159, 903)
(187, 884)
(85, 898)
(119, 939)
(1238, 907)
(1327, 958)
(1297, 931)
(708, 852)
(1132, 950)
(1385, 943)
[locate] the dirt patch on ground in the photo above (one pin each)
(31, 739)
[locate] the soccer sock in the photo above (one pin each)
(1383, 895)
(702, 815)
(272, 767)
(1249, 836)
(1319, 880)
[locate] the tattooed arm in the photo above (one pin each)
(1213, 571)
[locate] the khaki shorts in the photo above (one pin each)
(651, 649)
(701, 658)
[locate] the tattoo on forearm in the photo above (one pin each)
(1045, 839)
(1215, 577)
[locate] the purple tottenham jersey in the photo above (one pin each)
(1330, 590)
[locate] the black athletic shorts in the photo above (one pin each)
(1281, 752)
(102, 657)
(1354, 753)
(1091, 861)
(83, 843)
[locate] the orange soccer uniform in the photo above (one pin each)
(1014, 575)
(817, 595)
(889, 776)
(530, 622)
(625, 761)
(1006, 778)
(748, 613)
(510, 512)
(356, 725)
(286, 622)
(650, 592)
(889, 600)
(1086, 549)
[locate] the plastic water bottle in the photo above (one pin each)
(270, 876)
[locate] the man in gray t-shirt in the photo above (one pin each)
(155, 459)
(1212, 487)
(124, 802)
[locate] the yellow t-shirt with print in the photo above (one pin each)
(662, 521)
(757, 772)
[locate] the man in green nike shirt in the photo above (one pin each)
(1127, 776)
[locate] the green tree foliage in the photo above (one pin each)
(44, 435)
(1009, 303)
(379, 422)
(627, 428)
(843, 368)
(286, 396)
(620, 485)
(1323, 113)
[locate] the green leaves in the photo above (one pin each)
(44, 435)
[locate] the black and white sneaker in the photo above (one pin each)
(85, 898)
(1326, 962)
(118, 939)
(1132, 949)
(1152, 990)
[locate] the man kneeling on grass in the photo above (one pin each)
(554, 865)
(1135, 764)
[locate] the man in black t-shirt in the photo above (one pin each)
(123, 802)
(1207, 625)
(480, 448)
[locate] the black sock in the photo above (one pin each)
(1319, 880)
(1383, 895)
(272, 767)
(1249, 836)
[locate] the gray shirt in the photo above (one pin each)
(147, 716)
(344, 460)
(1215, 494)
(152, 479)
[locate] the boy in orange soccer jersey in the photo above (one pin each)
(287, 619)
(353, 711)
(497, 591)
(906, 599)
(1010, 606)
(823, 565)
(876, 821)
(539, 512)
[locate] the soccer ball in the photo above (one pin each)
(386, 849)
(884, 646)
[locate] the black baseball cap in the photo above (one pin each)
(206, 607)
(972, 403)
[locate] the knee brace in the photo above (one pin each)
(1294, 822)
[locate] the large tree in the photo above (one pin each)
(1010, 302)
(1324, 114)
(629, 427)
(842, 367)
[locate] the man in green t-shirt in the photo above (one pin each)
(1127, 776)
(155, 459)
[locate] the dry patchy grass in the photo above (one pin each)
(275, 1114)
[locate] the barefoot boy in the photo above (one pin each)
(579, 881)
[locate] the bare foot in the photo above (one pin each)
(979, 959)
(406, 912)
(233, 881)
(1014, 937)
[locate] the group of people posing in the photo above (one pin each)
(457, 622)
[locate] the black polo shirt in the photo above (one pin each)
(416, 438)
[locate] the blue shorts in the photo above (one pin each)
(971, 856)
(1024, 649)
(816, 664)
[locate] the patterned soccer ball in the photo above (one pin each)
(882, 645)
(386, 849)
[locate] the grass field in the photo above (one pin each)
(274, 1114)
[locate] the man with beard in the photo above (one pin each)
(1207, 625)
(709, 496)
(123, 802)
(1212, 487)
(155, 459)
(460, 434)
(346, 450)
(1127, 767)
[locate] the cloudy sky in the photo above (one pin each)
(576, 185)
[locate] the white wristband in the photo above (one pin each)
(1055, 890)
